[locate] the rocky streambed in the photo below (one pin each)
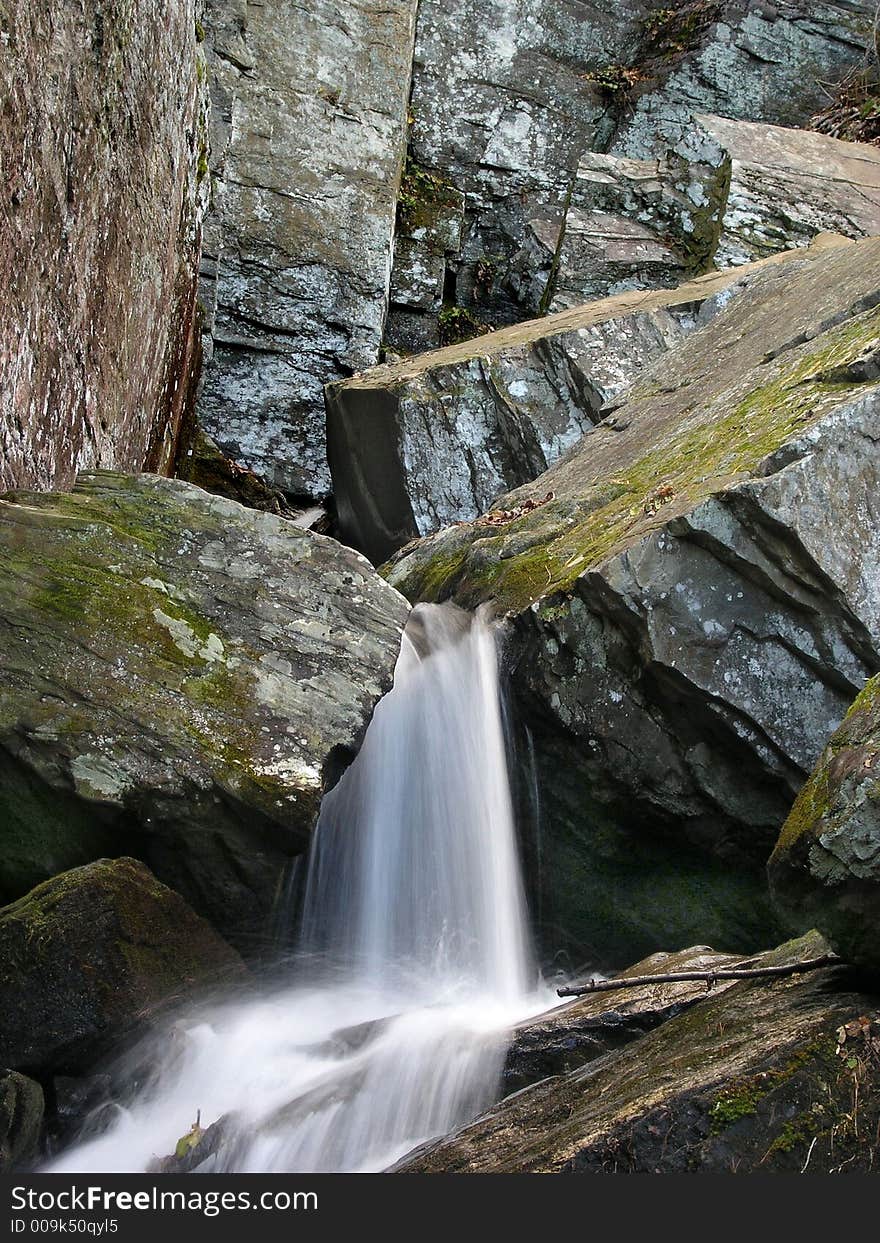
(564, 314)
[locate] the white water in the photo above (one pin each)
(414, 957)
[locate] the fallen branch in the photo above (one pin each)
(708, 977)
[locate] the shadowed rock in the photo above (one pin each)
(181, 678)
(693, 611)
(825, 869)
(90, 954)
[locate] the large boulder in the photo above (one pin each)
(180, 679)
(693, 603)
(747, 190)
(758, 1077)
(419, 444)
(103, 147)
(88, 955)
(21, 1118)
(825, 869)
(494, 202)
(308, 140)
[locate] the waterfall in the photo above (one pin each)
(413, 956)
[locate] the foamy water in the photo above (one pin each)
(414, 957)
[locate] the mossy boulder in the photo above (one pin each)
(180, 679)
(761, 1076)
(90, 954)
(21, 1118)
(825, 869)
(432, 440)
(692, 604)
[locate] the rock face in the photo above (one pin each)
(434, 440)
(753, 62)
(786, 185)
(308, 139)
(181, 677)
(103, 156)
(508, 201)
(500, 116)
(747, 191)
(21, 1118)
(86, 955)
(826, 866)
(759, 1077)
(693, 610)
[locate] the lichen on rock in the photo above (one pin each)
(182, 677)
(692, 603)
(825, 868)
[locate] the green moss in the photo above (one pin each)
(457, 323)
(741, 1099)
(857, 732)
(423, 196)
(200, 32)
(614, 81)
(738, 1101)
(669, 32)
(545, 551)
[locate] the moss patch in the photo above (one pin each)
(423, 196)
(544, 552)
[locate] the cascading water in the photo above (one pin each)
(413, 956)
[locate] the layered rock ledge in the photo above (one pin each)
(759, 1077)
(693, 604)
(419, 444)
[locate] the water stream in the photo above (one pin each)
(413, 952)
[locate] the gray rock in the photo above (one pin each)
(825, 868)
(787, 185)
(103, 154)
(753, 62)
(500, 112)
(549, 88)
(431, 441)
(87, 956)
(756, 1078)
(21, 1119)
(694, 610)
(638, 224)
(308, 142)
(181, 678)
(752, 190)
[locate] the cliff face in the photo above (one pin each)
(103, 167)
(309, 131)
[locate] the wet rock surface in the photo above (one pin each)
(693, 610)
(579, 1031)
(88, 955)
(181, 679)
(21, 1118)
(761, 1077)
(309, 122)
(103, 162)
(825, 869)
